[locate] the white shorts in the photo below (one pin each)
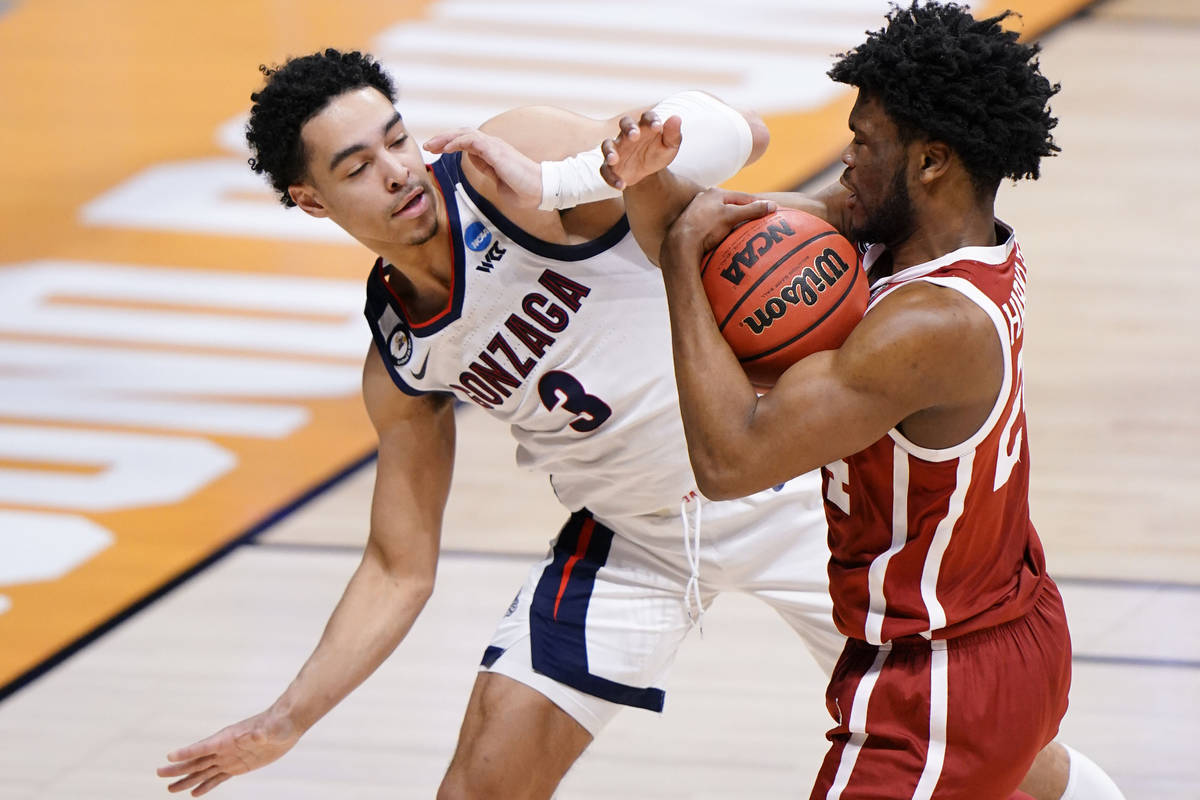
(599, 620)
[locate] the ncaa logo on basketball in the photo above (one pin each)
(756, 248)
(400, 345)
(477, 236)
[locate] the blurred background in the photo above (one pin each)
(185, 466)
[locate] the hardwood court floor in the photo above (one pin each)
(1113, 372)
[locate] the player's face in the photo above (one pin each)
(876, 174)
(366, 173)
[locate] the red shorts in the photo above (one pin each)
(947, 719)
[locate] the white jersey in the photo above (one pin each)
(569, 344)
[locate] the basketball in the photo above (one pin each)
(783, 287)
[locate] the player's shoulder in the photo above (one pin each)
(918, 325)
(387, 406)
(924, 307)
(547, 133)
(922, 344)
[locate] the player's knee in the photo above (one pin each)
(760, 136)
(487, 761)
(515, 744)
(486, 779)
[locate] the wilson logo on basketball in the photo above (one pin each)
(756, 248)
(804, 289)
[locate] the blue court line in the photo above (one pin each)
(1126, 583)
(1078, 658)
(355, 549)
(1134, 661)
(1062, 580)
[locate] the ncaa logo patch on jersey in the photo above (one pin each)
(400, 345)
(477, 236)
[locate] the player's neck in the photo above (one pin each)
(428, 265)
(424, 272)
(933, 239)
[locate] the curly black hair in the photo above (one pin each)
(293, 94)
(942, 74)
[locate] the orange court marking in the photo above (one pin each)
(51, 466)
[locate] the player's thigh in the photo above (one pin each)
(514, 743)
(782, 558)
(597, 624)
(956, 720)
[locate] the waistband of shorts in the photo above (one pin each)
(1046, 589)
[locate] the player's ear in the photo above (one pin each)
(935, 160)
(307, 199)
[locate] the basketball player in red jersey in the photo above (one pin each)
(958, 663)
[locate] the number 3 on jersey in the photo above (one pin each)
(557, 386)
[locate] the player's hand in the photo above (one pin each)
(247, 745)
(642, 148)
(707, 220)
(518, 178)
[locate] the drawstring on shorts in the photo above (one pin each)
(691, 546)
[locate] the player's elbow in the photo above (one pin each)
(715, 491)
(420, 589)
(760, 136)
(718, 480)
(403, 574)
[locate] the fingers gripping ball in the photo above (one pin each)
(783, 287)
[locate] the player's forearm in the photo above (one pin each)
(716, 142)
(374, 615)
(716, 400)
(828, 204)
(653, 204)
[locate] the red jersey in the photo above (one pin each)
(939, 542)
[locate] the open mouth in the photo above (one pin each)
(852, 199)
(414, 203)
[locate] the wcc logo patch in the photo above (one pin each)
(478, 239)
(400, 345)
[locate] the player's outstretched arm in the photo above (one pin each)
(639, 161)
(537, 161)
(922, 350)
(381, 601)
(518, 161)
(829, 204)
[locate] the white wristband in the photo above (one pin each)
(574, 181)
(716, 143)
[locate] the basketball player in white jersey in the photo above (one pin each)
(957, 667)
(526, 296)
(552, 320)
